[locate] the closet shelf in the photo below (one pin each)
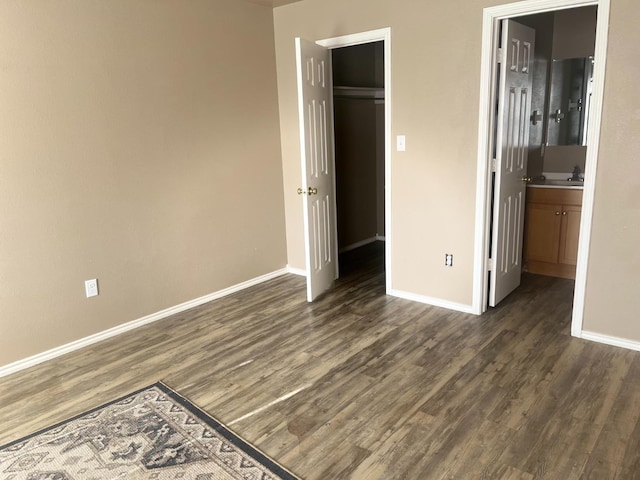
(359, 92)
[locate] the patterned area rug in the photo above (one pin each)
(153, 433)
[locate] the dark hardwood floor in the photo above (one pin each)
(364, 386)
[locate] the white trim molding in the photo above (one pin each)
(435, 302)
(125, 327)
(296, 271)
(609, 340)
(491, 18)
(361, 243)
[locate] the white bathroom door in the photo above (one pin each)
(315, 106)
(512, 140)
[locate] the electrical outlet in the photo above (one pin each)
(448, 259)
(91, 287)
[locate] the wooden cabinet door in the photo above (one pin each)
(542, 232)
(570, 231)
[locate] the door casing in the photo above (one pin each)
(491, 20)
(384, 35)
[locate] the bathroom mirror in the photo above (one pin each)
(570, 85)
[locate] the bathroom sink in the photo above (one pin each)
(558, 183)
(565, 183)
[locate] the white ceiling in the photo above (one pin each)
(273, 3)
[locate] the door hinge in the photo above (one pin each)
(494, 165)
(499, 55)
(490, 265)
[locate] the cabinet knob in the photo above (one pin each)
(557, 213)
(564, 214)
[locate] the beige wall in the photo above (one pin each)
(613, 283)
(139, 145)
(435, 94)
(136, 149)
(433, 182)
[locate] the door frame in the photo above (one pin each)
(383, 35)
(490, 27)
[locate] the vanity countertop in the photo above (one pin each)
(557, 184)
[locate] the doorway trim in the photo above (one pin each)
(384, 35)
(490, 22)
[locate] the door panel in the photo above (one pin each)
(512, 140)
(316, 140)
(543, 231)
(570, 234)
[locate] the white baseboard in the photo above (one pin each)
(297, 271)
(154, 317)
(361, 243)
(609, 340)
(436, 302)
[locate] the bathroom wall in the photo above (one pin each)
(559, 35)
(543, 25)
(563, 158)
(574, 35)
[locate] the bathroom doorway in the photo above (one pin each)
(532, 12)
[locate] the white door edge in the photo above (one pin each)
(491, 17)
(301, 133)
(381, 34)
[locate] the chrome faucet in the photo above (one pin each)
(576, 177)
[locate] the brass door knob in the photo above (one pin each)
(526, 179)
(301, 191)
(313, 191)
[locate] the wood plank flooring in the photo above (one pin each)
(364, 386)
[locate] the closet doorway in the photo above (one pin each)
(317, 141)
(359, 129)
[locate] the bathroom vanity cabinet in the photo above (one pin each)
(552, 227)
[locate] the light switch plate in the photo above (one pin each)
(401, 143)
(91, 287)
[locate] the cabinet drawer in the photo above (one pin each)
(555, 196)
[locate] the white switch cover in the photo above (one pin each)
(448, 259)
(402, 143)
(91, 287)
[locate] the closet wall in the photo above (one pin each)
(359, 143)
